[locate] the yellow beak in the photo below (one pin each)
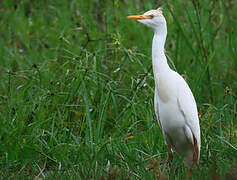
(139, 17)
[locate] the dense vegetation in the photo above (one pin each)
(76, 89)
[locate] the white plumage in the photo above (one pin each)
(175, 106)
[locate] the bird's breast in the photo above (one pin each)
(170, 116)
(166, 88)
(169, 112)
(163, 92)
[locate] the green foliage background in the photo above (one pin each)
(76, 89)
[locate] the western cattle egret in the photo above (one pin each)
(175, 106)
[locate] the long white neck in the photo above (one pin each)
(159, 60)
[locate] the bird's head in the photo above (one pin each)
(153, 18)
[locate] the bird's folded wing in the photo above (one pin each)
(188, 108)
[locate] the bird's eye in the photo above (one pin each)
(151, 16)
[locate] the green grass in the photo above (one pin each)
(76, 89)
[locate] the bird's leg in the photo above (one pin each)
(195, 158)
(190, 171)
(170, 154)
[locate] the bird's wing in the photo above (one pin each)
(188, 108)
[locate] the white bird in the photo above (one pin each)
(175, 106)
